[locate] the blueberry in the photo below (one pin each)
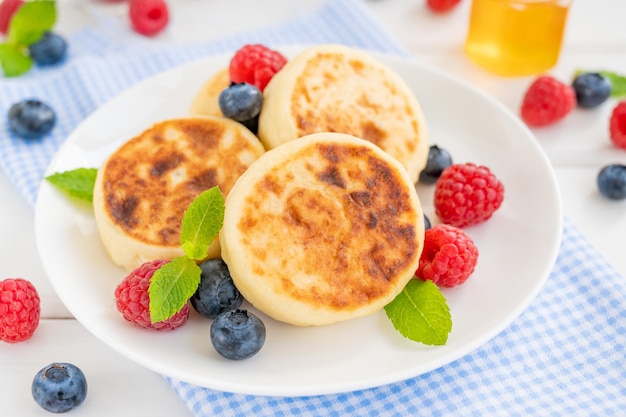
(592, 89)
(242, 102)
(237, 334)
(438, 160)
(427, 224)
(48, 50)
(31, 118)
(59, 387)
(612, 181)
(216, 292)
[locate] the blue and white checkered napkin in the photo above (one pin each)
(565, 355)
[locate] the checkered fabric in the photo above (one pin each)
(564, 356)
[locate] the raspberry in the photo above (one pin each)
(7, 10)
(547, 101)
(467, 194)
(449, 256)
(133, 301)
(617, 125)
(255, 64)
(148, 17)
(19, 310)
(441, 6)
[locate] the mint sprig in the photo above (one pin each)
(27, 26)
(175, 282)
(201, 223)
(171, 286)
(14, 60)
(31, 21)
(420, 313)
(78, 182)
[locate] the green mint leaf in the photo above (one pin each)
(171, 286)
(77, 182)
(420, 313)
(201, 223)
(618, 83)
(30, 22)
(14, 60)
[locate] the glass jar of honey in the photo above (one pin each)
(516, 37)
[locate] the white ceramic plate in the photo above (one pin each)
(518, 247)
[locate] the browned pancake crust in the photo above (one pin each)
(317, 102)
(334, 88)
(350, 227)
(150, 180)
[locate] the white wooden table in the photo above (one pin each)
(595, 39)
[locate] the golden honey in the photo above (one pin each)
(516, 37)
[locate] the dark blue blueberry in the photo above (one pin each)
(217, 292)
(242, 102)
(48, 50)
(592, 89)
(31, 118)
(612, 181)
(237, 334)
(59, 387)
(427, 224)
(438, 160)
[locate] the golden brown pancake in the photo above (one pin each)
(143, 189)
(333, 88)
(322, 229)
(205, 102)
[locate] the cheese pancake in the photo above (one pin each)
(143, 189)
(205, 102)
(322, 229)
(334, 88)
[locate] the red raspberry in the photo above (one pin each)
(441, 6)
(19, 310)
(133, 301)
(449, 256)
(547, 101)
(467, 194)
(7, 10)
(255, 64)
(148, 17)
(617, 125)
